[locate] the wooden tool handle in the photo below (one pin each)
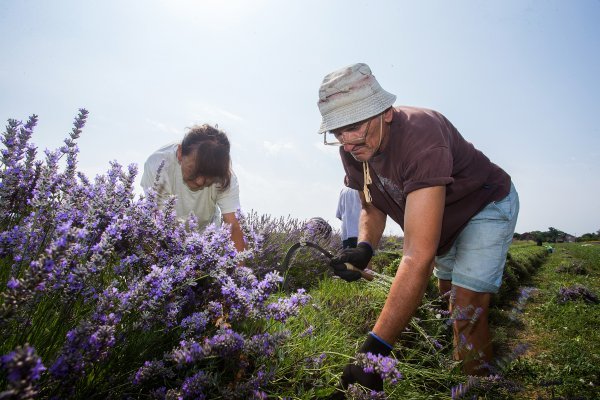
(363, 274)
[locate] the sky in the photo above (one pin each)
(518, 78)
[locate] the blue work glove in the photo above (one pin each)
(355, 374)
(358, 257)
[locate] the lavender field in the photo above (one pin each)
(105, 295)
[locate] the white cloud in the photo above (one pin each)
(228, 115)
(162, 127)
(204, 112)
(276, 148)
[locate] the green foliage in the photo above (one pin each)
(388, 255)
(386, 262)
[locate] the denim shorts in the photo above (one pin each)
(476, 259)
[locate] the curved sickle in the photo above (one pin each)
(288, 256)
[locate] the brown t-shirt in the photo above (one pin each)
(424, 149)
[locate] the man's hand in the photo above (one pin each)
(358, 257)
(345, 273)
(355, 374)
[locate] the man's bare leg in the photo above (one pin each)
(472, 339)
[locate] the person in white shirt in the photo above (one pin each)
(198, 172)
(348, 211)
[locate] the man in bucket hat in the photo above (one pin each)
(457, 210)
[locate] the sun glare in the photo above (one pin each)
(215, 13)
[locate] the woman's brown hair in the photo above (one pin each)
(211, 148)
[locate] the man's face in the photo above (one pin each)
(361, 140)
(188, 165)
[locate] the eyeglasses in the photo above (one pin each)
(347, 135)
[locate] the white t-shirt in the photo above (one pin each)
(206, 204)
(348, 211)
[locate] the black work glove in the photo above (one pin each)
(358, 257)
(355, 374)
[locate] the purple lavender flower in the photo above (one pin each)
(264, 344)
(22, 364)
(524, 295)
(87, 344)
(436, 343)
(316, 362)
(386, 367)
(188, 352)
(13, 283)
(23, 368)
(259, 395)
(194, 324)
(460, 390)
(152, 370)
(356, 392)
(193, 387)
(284, 308)
(159, 393)
(308, 331)
(576, 292)
(225, 343)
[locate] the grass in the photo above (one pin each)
(340, 317)
(564, 359)
(322, 335)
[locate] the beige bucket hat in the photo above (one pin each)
(349, 95)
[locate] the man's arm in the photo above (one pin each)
(236, 231)
(371, 223)
(422, 227)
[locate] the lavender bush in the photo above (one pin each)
(106, 294)
(273, 236)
